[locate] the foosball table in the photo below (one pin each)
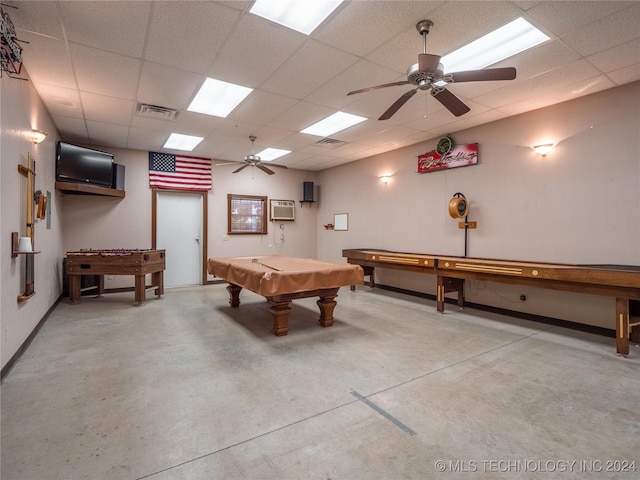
(99, 263)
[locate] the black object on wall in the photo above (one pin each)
(118, 176)
(307, 192)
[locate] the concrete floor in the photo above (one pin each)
(187, 388)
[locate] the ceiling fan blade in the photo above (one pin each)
(506, 73)
(265, 169)
(450, 101)
(241, 168)
(398, 103)
(368, 89)
(428, 62)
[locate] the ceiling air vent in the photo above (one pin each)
(156, 111)
(329, 142)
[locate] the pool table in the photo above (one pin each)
(281, 279)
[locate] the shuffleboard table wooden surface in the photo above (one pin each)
(621, 282)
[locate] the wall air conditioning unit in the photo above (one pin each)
(283, 210)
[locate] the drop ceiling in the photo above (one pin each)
(94, 62)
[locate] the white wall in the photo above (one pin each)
(579, 204)
(21, 111)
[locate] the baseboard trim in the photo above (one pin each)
(556, 322)
(16, 356)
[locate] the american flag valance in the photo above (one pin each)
(179, 172)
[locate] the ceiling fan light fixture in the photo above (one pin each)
(178, 141)
(504, 42)
(303, 17)
(269, 154)
(218, 98)
(333, 123)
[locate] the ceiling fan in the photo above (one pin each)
(429, 71)
(255, 161)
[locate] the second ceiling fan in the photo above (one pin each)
(254, 160)
(429, 71)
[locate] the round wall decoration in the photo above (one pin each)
(445, 145)
(458, 207)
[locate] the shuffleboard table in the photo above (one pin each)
(281, 279)
(619, 281)
(99, 263)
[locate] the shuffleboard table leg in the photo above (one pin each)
(622, 326)
(440, 294)
(234, 295)
(326, 304)
(280, 312)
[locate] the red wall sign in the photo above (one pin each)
(459, 156)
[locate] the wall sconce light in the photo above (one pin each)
(385, 179)
(38, 136)
(544, 148)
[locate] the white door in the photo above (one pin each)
(179, 232)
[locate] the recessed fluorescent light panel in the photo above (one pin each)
(177, 141)
(302, 16)
(269, 154)
(218, 98)
(333, 123)
(506, 41)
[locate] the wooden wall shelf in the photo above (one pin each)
(85, 189)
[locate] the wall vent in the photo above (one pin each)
(155, 111)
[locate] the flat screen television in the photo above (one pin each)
(83, 165)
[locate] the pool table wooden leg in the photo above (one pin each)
(326, 304)
(234, 295)
(280, 312)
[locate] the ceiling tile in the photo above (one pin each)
(262, 107)
(72, 129)
(105, 73)
(107, 134)
(597, 37)
(59, 100)
(107, 109)
(617, 57)
(92, 24)
(188, 35)
(254, 51)
(309, 68)
(48, 61)
(166, 86)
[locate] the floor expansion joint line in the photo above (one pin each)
(222, 449)
(383, 412)
(462, 361)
